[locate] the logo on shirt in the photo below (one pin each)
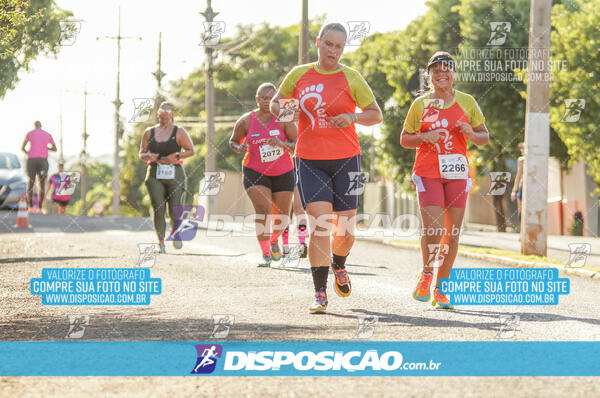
(255, 135)
(274, 133)
(317, 112)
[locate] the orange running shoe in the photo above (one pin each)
(421, 292)
(441, 301)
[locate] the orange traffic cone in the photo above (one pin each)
(22, 214)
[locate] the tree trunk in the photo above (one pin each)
(499, 211)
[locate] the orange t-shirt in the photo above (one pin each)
(322, 94)
(427, 114)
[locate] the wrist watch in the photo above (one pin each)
(177, 155)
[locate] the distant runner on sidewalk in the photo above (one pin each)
(40, 142)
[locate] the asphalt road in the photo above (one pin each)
(218, 275)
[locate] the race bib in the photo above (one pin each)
(165, 172)
(270, 153)
(453, 166)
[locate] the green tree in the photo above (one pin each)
(99, 188)
(575, 41)
(28, 28)
(255, 54)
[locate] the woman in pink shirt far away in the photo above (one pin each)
(40, 142)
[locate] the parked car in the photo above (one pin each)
(13, 180)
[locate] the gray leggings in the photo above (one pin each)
(163, 192)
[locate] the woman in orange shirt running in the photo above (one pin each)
(328, 154)
(438, 125)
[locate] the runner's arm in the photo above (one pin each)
(145, 153)
(478, 135)
(291, 132)
(239, 133)
(412, 140)
(52, 147)
(25, 141)
(370, 115)
(518, 178)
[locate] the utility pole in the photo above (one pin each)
(84, 154)
(537, 132)
(209, 99)
(303, 44)
(116, 188)
(159, 74)
(60, 138)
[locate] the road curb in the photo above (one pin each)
(583, 273)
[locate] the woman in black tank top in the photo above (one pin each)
(165, 178)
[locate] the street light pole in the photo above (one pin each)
(60, 139)
(209, 99)
(83, 156)
(303, 44)
(159, 74)
(537, 132)
(116, 188)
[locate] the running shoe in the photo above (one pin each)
(266, 262)
(441, 301)
(304, 252)
(275, 252)
(319, 306)
(177, 244)
(422, 292)
(161, 248)
(286, 251)
(342, 284)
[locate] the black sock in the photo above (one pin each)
(319, 275)
(339, 262)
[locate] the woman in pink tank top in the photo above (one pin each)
(268, 169)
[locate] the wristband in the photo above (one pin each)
(177, 155)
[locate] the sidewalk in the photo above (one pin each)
(558, 246)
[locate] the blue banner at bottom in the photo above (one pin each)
(295, 358)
